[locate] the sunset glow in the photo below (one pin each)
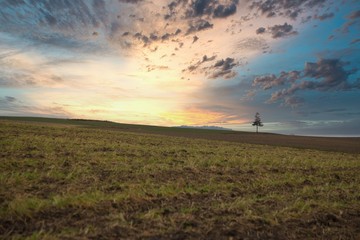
(184, 62)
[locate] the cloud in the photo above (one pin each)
(16, 80)
(324, 16)
(131, 1)
(324, 75)
(355, 41)
(278, 31)
(353, 20)
(199, 25)
(290, 9)
(354, 15)
(223, 68)
(8, 99)
(270, 81)
(195, 66)
(45, 22)
(222, 11)
(199, 8)
(330, 71)
(156, 67)
(329, 110)
(13, 106)
(252, 43)
(348, 127)
(293, 101)
(260, 30)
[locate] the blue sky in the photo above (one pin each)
(185, 62)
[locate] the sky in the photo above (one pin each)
(185, 62)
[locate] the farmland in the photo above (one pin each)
(62, 180)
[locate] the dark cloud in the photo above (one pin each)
(153, 37)
(199, 25)
(289, 8)
(278, 31)
(223, 68)
(195, 66)
(354, 15)
(353, 20)
(166, 36)
(207, 59)
(260, 30)
(326, 74)
(10, 99)
(324, 16)
(199, 8)
(8, 103)
(331, 72)
(131, 1)
(270, 81)
(355, 41)
(222, 11)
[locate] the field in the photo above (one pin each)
(99, 180)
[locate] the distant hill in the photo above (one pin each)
(337, 144)
(207, 127)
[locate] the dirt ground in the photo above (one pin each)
(71, 182)
(336, 144)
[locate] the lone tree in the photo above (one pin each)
(257, 122)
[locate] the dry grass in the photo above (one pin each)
(61, 182)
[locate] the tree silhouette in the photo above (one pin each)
(257, 122)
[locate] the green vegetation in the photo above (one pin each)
(60, 181)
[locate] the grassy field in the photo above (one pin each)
(67, 181)
(334, 144)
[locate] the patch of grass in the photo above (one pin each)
(60, 181)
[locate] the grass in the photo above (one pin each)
(64, 181)
(349, 144)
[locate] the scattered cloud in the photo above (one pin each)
(260, 30)
(326, 75)
(354, 15)
(198, 25)
(355, 41)
(269, 81)
(223, 68)
(290, 9)
(211, 8)
(195, 66)
(278, 31)
(324, 16)
(353, 20)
